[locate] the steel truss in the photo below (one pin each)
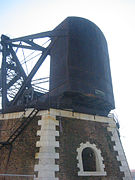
(17, 84)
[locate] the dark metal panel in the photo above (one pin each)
(59, 61)
(87, 65)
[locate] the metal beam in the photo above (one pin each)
(27, 47)
(4, 73)
(11, 66)
(34, 45)
(54, 33)
(13, 81)
(33, 71)
(33, 36)
(23, 74)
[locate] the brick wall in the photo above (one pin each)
(73, 132)
(61, 132)
(22, 157)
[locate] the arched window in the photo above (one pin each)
(88, 159)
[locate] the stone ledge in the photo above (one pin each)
(44, 155)
(47, 143)
(127, 178)
(48, 167)
(45, 178)
(92, 173)
(81, 116)
(46, 161)
(55, 112)
(47, 149)
(48, 133)
(46, 174)
(11, 115)
(48, 122)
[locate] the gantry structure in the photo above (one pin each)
(21, 60)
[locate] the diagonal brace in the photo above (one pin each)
(33, 71)
(23, 74)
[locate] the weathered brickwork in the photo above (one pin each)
(51, 143)
(22, 157)
(73, 132)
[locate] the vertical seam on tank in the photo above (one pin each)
(67, 58)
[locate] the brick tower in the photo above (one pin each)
(68, 135)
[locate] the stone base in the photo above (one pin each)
(53, 143)
(63, 136)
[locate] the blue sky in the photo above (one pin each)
(116, 18)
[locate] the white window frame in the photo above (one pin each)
(99, 161)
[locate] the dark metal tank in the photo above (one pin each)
(80, 77)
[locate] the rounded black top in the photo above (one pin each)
(80, 67)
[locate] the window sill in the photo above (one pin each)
(94, 173)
